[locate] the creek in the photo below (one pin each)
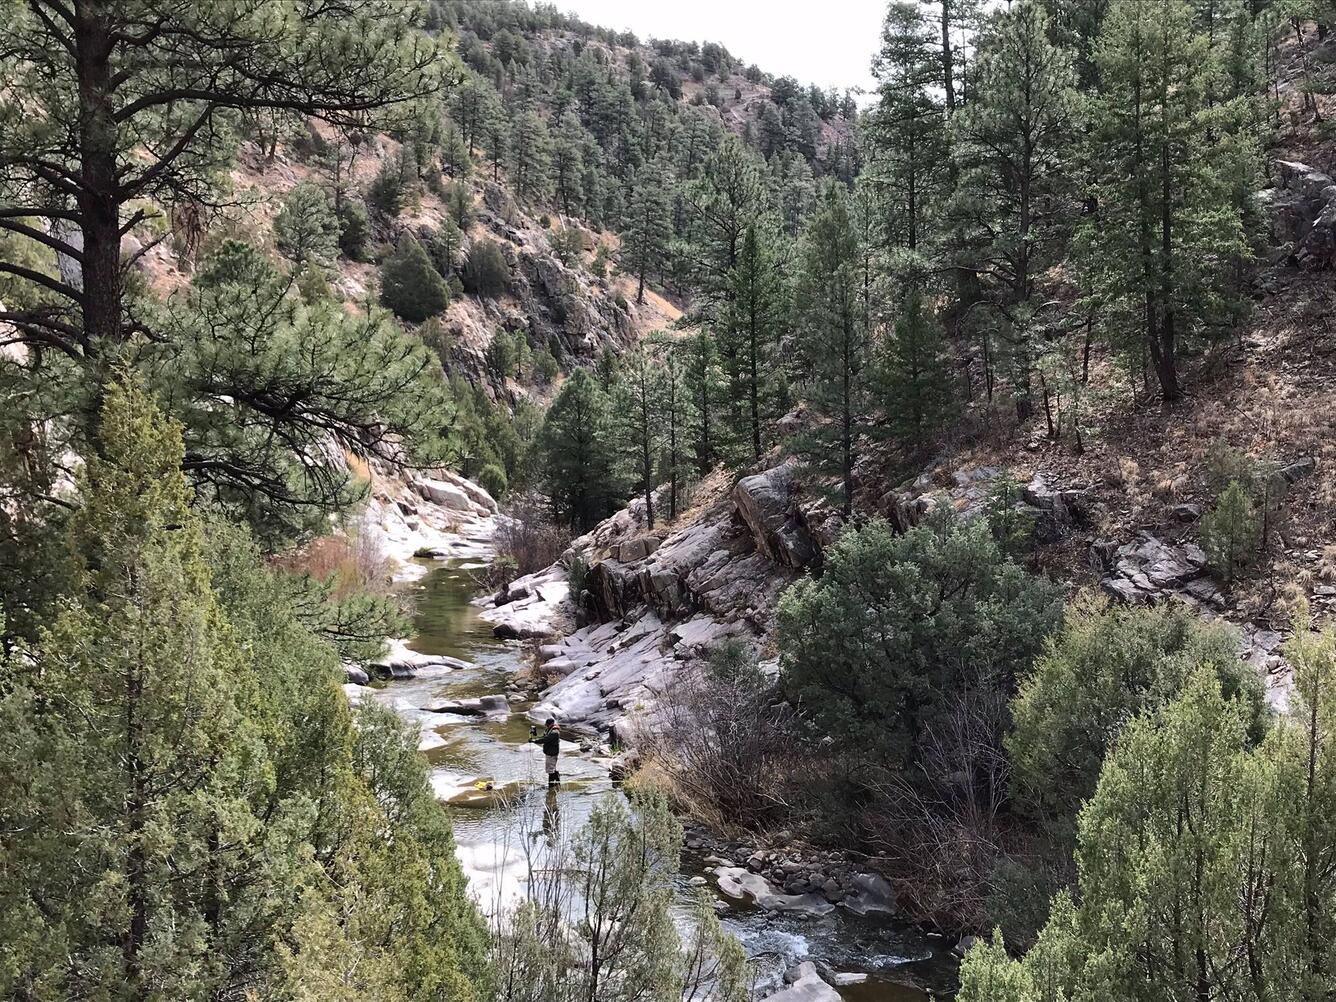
(501, 833)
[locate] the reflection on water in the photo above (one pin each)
(445, 621)
(503, 833)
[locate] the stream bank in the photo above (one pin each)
(468, 739)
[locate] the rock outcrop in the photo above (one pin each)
(765, 502)
(741, 884)
(654, 602)
(1302, 206)
(1150, 569)
(401, 662)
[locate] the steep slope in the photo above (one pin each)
(1116, 509)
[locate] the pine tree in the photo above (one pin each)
(957, 24)
(648, 226)
(410, 285)
(751, 333)
(905, 136)
(530, 158)
(305, 228)
(143, 738)
(636, 405)
(1300, 950)
(707, 392)
(1168, 219)
(723, 203)
(173, 85)
(1013, 148)
(568, 164)
(1076, 25)
(179, 769)
(576, 452)
(455, 156)
(472, 105)
(914, 380)
(676, 415)
(496, 138)
(833, 345)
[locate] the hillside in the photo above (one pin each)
(1107, 480)
(920, 518)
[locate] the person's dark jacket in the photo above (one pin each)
(550, 740)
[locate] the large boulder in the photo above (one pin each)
(765, 503)
(807, 987)
(871, 894)
(446, 495)
(478, 706)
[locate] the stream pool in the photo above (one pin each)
(502, 836)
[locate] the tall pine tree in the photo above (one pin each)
(1168, 221)
(833, 344)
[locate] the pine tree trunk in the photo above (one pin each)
(755, 394)
(1164, 349)
(136, 876)
(948, 68)
(846, 427)
(99, 194)
(646, 463)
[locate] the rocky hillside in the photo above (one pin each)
(1120, 512)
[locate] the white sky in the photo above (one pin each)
(828, 43)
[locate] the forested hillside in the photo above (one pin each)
(938, 492)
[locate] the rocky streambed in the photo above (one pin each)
(816, 928)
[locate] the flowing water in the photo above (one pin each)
(502, 831)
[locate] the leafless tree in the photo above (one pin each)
(943, 825)
(725, 741)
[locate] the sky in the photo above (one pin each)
(827, 43)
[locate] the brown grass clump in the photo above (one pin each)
(355, 561)
(1326, 564)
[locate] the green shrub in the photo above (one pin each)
(567, 243)
(234, 262)
(577, 572)
(458, 201)
(879, 648)
(1231, 532)
(1108, 664)
(493, 480)
(440, 340)
(386, 194)
(486, 273)
(501, 355)
(1011, 523)
(354, 229)
(410, 286)
(306, 229)
(545, 366)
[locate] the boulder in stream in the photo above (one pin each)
(806, 987)
(739, 883)
(476, 706)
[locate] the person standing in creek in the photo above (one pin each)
(550, 740)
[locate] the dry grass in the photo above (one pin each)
(1326, 564)
(353, 561)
